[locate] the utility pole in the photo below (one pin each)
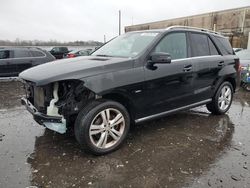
(119, 22)
(104, 39)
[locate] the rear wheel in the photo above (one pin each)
(222, 100)
(102, 126)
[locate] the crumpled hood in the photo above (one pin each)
(74, 68)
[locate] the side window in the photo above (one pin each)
(36, 53)
(83, 52)
(200, 45)
(175, 44)
(63, 49)
(4, 54)
(56, 49)
(224, 45)
(213, 50)
(21, 53)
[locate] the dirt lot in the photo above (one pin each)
(188, 149)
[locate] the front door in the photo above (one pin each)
(169, 86)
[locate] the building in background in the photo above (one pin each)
(233, 23)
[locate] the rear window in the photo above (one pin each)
(224, 46)
(4, 54)
(21, 53)
(200, 45)
(36, 53)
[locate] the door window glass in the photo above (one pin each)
(21, 53)
(174, 44)
(200, 45)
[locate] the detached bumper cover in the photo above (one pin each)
(54, 123)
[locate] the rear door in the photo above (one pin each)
(207, 62)
(22, 60)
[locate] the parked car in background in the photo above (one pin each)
(136, 77)
(59, 52)
(14, 60)
(76, 53)
(244, 56)
(237, 49)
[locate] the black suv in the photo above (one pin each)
(135, 77)
(59, 52)
(14, 60)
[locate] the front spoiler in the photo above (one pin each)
(54, 123)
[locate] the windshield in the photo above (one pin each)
(243, 54)
(127, 45)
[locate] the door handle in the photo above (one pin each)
(221, 63)
(187, 68)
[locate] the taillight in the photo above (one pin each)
(71, 55)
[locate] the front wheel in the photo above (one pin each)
(102, 126)
(222, 100)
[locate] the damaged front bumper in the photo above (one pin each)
(54, 123)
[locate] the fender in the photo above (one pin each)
(226, 73)
(103, 83)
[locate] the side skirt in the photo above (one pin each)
(172, 111)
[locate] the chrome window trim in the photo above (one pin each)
(196, 57)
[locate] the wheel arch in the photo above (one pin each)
(123, 99)
(230, 78)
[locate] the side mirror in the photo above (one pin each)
(160, 58)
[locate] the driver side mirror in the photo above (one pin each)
(160, 58)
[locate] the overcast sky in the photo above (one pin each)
(66, 20)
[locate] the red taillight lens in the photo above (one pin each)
(71, 55)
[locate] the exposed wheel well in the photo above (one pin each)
(125, 101)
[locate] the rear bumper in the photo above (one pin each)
(54, 123)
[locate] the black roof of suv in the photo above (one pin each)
(135, 77)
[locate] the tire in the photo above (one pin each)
(108, 133)
(216, 106)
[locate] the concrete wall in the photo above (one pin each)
(234, 23)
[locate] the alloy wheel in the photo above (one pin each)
(225, 98)
(107, 128)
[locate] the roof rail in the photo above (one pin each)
(194, 28)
